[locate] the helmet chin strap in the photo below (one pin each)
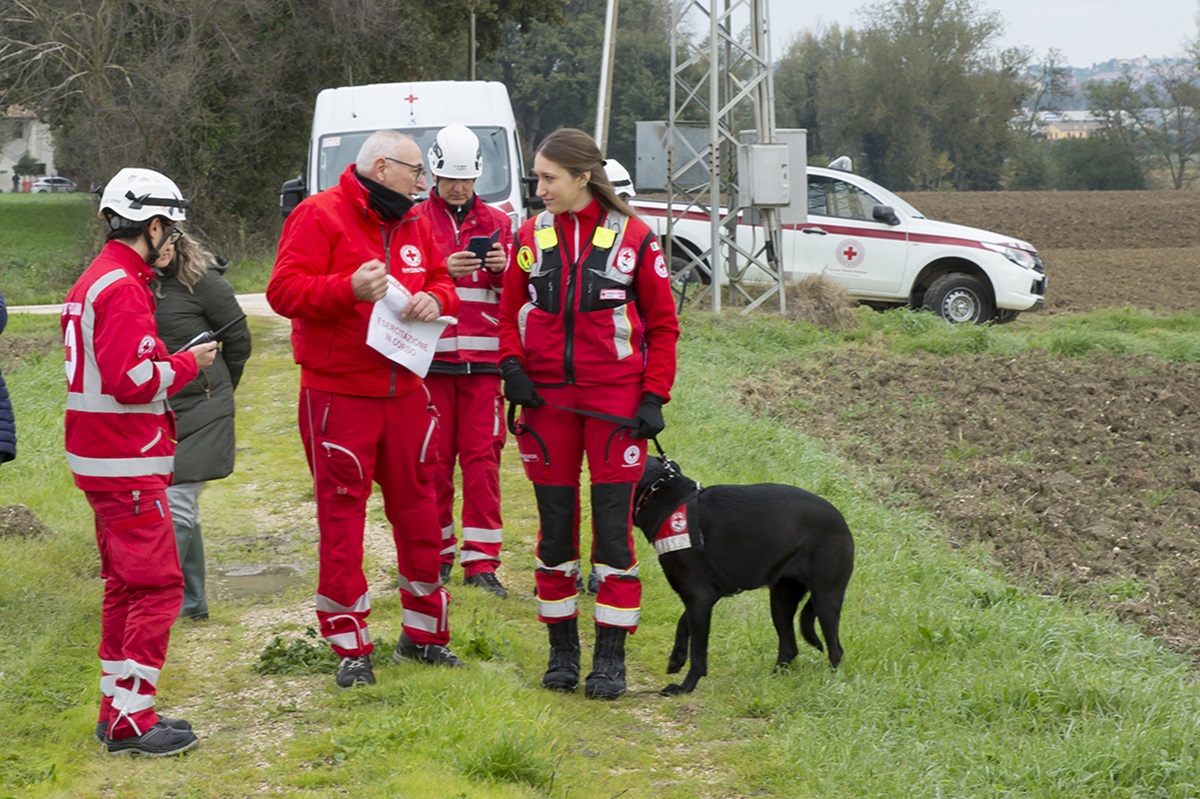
(155, 249)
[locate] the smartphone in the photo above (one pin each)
(480, 246)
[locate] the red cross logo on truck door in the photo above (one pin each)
(412, 98)
(850, 253)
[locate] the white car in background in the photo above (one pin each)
(882, 250)
(52, 185)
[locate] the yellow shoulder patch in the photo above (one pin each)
(546, 238)
(604, 238)
(525, 258)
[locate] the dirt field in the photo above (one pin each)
(1079, 475)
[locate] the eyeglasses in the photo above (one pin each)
(175, 235)
(419, 167)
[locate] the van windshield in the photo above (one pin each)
(336, 151)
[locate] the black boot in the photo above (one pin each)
(562, 672)
(607, 680)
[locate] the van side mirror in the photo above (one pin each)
(290, 195)
(532, 201)
(885, 214)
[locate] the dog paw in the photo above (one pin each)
(674, 668)
(672, 690)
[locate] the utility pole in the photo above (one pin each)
(604, 98)
(471, 52)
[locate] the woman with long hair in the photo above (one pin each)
(194, 297)
(587, 324)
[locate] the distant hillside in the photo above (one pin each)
(1142, 69)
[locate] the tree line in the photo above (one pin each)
(220, 94)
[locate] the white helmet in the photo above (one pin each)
(137, 195)
(618, 176)
(455, 154)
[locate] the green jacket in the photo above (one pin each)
(204, 408)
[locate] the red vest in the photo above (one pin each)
(589, 303)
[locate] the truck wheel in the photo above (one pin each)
(959, 298)
(687, 277)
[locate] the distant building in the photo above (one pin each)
(21, 132)
(1070, 129)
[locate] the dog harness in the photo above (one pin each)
(679, 528)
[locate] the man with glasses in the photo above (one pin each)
(121, 451)
(363, 418)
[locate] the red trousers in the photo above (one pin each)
(352, 442)
(615, 463)
(471, 431)
(143, 591)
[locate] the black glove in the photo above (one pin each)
(649, 417)
(518, 388)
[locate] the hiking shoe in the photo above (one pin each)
(444, 573)
(488, 582)
(356, 671)
(175, 724)
(433, 654)
(158, 741)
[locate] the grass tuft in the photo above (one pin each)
(307, 655)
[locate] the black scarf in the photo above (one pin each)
(389, 204)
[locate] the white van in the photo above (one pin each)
(344, 117)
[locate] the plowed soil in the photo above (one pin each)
(1079, 475)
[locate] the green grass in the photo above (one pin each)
(955, 682)
(45, 241)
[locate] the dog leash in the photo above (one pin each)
(519, 428)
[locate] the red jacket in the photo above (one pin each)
(476, 338)
(324, 241)
(590, 303)
(120, 433)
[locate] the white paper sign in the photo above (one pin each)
(410, 344)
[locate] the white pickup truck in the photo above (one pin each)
(882, 250)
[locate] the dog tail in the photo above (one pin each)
(807, 629)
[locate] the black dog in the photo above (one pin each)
(717, 541)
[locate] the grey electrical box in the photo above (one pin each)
(795, 211)
(763, 174)
(691, 140)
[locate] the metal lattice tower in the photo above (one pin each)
(725, 82)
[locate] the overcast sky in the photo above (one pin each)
(1086, 31)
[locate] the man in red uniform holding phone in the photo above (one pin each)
(464, 379)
